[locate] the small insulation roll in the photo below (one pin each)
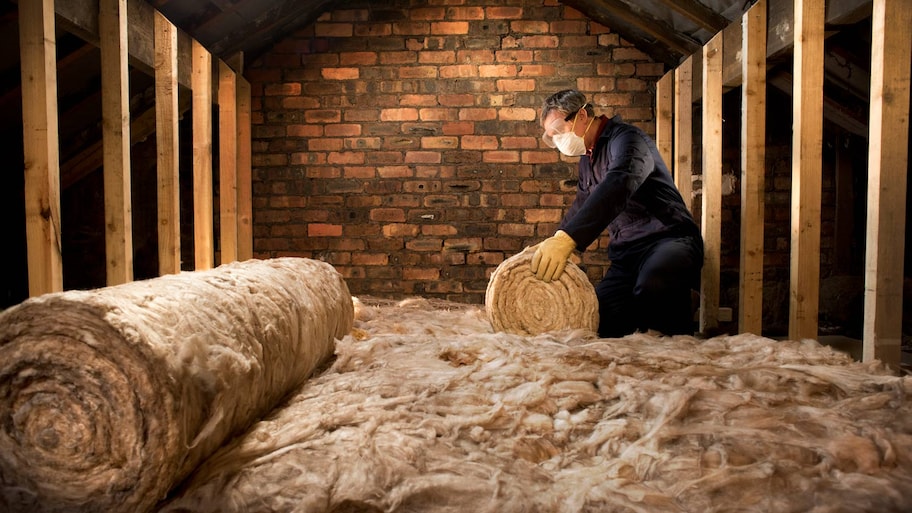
(518, 302)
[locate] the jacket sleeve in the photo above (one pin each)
(629, 162)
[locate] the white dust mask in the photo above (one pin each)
(569, 143)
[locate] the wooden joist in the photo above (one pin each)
(712, 183)
(203, 237)
(664, 117)
(227, 105)
(167, 115)
(115, 113)
(888, 163)
(807, 163)
(37, 44)
(244, 172)
(683, 130)
(698, 13)
(753, 168)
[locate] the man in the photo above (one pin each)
(655, 247)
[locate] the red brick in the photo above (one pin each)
(494, 13)
(359, 172)
(420, 274)
(388, 215)
(500, 156)
(480, 142)
(398, 57)
(459, 71)
(540, 157)
(427, 13)
(418, 100)
(342, 130)
(516, 230)
(543, 215)
(286, 89)
(539, 42)
(418, 72)
(475, 56)
(416, 28)
(422, 157)
(443, 143)
(477, 114)
(515, 56)
(441, 57)
(400, 230)
(323, 116)
(450, 27)
(324, 230)
(522, 143)
(465, 13)
(458, 128)
(340, 73)
(370, 259)
(405, 114)
(358, 58)
(346, 157)
(529, 27)
(517, 114)
(438, 229)
(496, 70)
(520, 84)
(394, 171)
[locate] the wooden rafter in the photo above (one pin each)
(621, 18)
(698, 13)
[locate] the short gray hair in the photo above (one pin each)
(566, 102)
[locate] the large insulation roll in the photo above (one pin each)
(518, 302)
(109, 397)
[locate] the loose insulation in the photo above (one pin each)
(109, 397)
(518, 302)
(426, 409)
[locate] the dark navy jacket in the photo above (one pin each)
(626, 187)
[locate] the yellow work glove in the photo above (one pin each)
(551, 256)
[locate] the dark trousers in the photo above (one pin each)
(651, 289)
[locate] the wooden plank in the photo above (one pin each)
(888, 163)
(664, 116)
(683, 127)
(807, 164)
(244, 172)
(201, 80)
(228, 219)
(712, 183)
(168, 142)
(753, 168)
(698, 13)
(80, 17)
(38, 54)
(115, 113)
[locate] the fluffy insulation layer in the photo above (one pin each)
(427, 409)
(109, 397)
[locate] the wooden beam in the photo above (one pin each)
(201, 79)
(38, 54)
(653, 37)
(167, 115)
(664, 117)
(712, 183)
(228, 131)
(683, 127)
(80, 17)
(807, 164)
(92, 156)
(780, 34)
(888, 165)
(115, 113)
(706, 18)
(244, 172)
(753, 168)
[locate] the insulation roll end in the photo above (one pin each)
(518, 302)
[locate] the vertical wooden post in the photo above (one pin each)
(753, 167)
(807, 166)
(244, 172)
(712, 182)
(888, 163)
(201, 86)
(115, 113)
(228, 221)
(166, 123)
(38, 49)
(664, 119)
(683, 131)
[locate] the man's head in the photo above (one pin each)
(565, 118)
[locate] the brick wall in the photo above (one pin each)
(401, 144)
